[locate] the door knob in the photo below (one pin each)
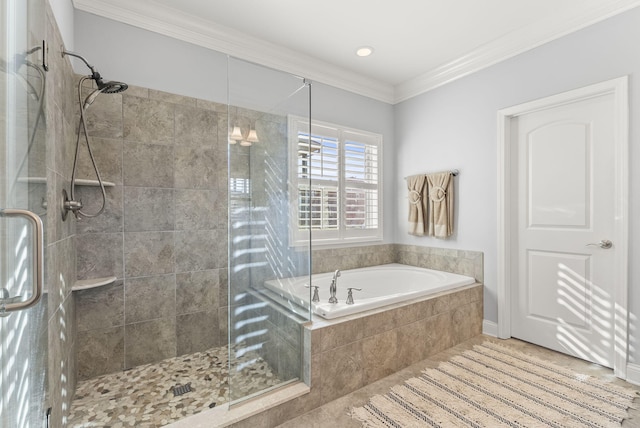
(605, 244)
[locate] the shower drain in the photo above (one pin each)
(181, 389)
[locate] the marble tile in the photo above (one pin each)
(148, 120)
(412, 343)
(104, 116)
(196, 209)
(148, 209)
(101, 307)
(200, 250)
(100, 351)
(195, 127)
(439, 330)
(149, 341)
(99, 255)
(136, 91)
(148, 253)
(289, 360)
(341, 334)
(149, 298)
(108, 156)
(466, 322)
(223, 324)
(223, 286)
(197, 291)
(111, 219)
(195, 168)
(197, 331)
(345, 365)
(379, 355)
(148, 165)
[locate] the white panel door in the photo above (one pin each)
(562, 285)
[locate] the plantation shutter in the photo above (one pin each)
(342, 201)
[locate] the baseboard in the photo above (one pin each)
(633, 373)
(490, 328)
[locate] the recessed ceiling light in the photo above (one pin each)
(364, 51)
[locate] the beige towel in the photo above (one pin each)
(440, 191)
(417, 205)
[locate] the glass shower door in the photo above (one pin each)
(265, 329)
(23, 313)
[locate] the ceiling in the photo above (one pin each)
(418, 44)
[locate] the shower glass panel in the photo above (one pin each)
(265, 329)
(23, 190)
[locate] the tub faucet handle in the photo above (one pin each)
(316, 296)
(350, 294)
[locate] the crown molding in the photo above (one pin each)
(174, 23)
(515, 43)
(192, 29)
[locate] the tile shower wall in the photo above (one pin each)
(163, 234)
(60, 245)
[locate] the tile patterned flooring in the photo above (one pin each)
(143, 396)
(335, 413)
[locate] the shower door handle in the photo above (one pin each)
(9, 304)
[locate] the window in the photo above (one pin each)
(336, 175)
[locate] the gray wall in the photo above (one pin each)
(455, 127)
(63, 13)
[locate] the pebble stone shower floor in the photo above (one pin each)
(143, 396)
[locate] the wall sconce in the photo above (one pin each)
(252, 137)
(236, 136)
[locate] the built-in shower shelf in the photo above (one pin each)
(85, 284)
(79, 181)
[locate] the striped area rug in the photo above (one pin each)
(495, 386)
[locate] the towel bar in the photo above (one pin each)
(454, 172)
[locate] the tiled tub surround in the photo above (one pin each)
(352, 352)
(463, 262)
(163, 233)
(359, 349)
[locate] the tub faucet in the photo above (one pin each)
(334, 287)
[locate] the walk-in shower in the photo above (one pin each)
(109, 87)
(195, 223)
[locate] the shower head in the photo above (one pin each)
(103, 87)
(111, 87)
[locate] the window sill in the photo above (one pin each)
(326, 245)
